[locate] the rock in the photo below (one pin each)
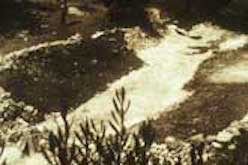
(232, 147)
(97, 34)
(75, 11)
(198, 137)
(170, 139)
(217, 145)
(29, 108)
(224, 137)
(94, 61)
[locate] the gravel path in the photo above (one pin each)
(158, 85)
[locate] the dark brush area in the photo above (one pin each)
(54, 77)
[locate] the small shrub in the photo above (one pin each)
(95, 146)
(60, 151)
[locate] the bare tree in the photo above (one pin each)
(63, 4)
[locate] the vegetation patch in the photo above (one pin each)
(62, 77)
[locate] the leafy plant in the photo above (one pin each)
(60, 151)
(95, 146)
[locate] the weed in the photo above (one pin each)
(95, 146)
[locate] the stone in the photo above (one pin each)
(232, 147)
(198, 137)
(170, 139)
(224, 137)
(217, 145)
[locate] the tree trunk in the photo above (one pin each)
(64, 11)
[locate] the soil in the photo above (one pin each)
(188, 83)
(178, 60)
(216, 102)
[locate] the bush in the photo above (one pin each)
(94, 146)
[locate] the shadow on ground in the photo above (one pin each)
(16, 17)
(26, 24)
(228, 15)
(212, 107)
(60, 78)
(208, 111)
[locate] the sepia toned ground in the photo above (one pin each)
(191, 81)
(159, 86)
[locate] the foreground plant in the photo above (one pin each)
(60, 151)
(95, 146)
